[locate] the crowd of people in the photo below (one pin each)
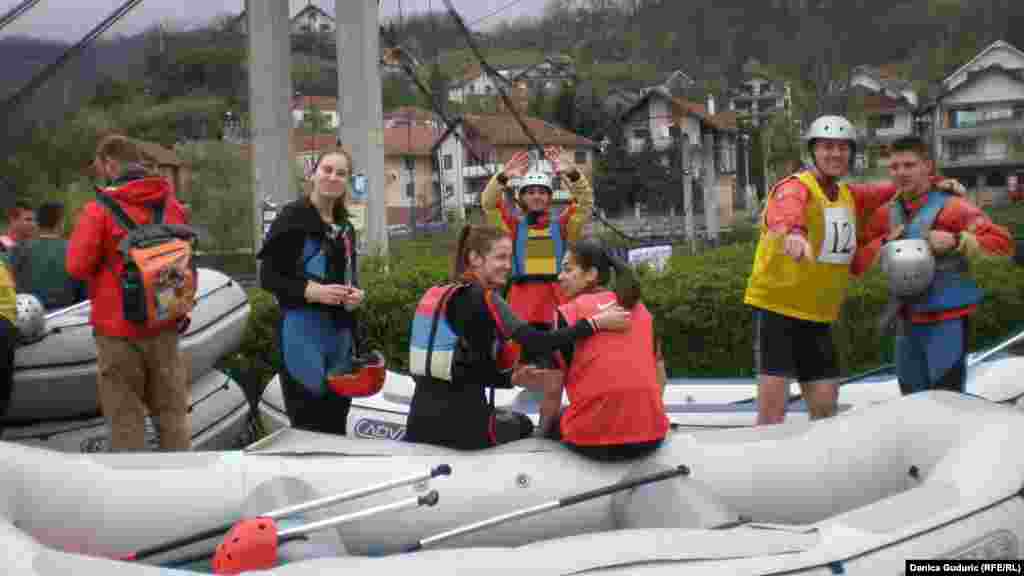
(530, 302)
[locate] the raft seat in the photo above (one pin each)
(682, 502)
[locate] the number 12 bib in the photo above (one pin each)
(840, 238)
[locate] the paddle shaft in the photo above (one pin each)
(300, 532)
(552, 505)
(442, 470)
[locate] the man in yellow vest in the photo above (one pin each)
(801, 270)
(8, 333)
(539, 232)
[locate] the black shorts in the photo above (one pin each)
(793, 348)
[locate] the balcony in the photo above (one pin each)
(985, 128)
(981, 159)
(637, 145)
(481, 170)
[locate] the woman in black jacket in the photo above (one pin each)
(309, 264)
(452, 409)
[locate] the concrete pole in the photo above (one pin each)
(360, 112)
(710, 188)
(270, 92)
(688, 223)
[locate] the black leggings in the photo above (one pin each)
(8, 338)
(607, 452)
(327, 414)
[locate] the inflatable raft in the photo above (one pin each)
(221, 420)
(995, 374)
(933, 475)
(55, 377)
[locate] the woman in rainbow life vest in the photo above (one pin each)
(8, 334)
(458, 348)
(539, 233)
(932, 330)
(811, 227)
(615, 411)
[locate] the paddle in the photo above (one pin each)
(552, 505)
(442, 470)
(252, 544)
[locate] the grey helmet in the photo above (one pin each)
(31, 320)
(832, 127)
(909, 265)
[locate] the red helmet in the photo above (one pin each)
(366, 378)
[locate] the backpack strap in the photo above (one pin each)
(436, 320)
(122, 217)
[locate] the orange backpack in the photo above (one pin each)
(158, 277)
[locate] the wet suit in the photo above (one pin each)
(8, 333)
(314, 340)
(458, 414)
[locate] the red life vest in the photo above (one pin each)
(612, 383)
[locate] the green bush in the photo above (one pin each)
(697, 304)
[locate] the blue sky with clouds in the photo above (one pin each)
(72, 19)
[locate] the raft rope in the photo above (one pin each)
(16, 12)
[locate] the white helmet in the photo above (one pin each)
(541, 179)
(31, 318)
(834, 127)
(910, 266)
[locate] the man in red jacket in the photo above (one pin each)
(139, 367)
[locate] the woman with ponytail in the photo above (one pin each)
(615, 397)
(460, 347)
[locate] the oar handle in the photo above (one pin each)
(681, 470)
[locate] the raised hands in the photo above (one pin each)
(517, 165)
(553, 154)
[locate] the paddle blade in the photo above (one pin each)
(250, 545)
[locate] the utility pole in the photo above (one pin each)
(684, 164)
(270, 91)
(360, 126)
(710, 188)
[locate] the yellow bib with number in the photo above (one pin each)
(813, 288)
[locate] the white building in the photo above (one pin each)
(978, 122)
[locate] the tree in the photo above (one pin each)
(565, 107)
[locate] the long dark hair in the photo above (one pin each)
(477, 239)
(589, 253)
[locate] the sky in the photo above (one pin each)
(70, 20)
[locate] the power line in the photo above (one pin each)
(16, 12)
(495, 12)
(12, 103)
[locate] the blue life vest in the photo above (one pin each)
(950, 289)
(312, 346)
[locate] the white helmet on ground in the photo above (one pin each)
(909, 265)
(541, 179)
(31, 319)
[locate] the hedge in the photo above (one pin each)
(697, 304)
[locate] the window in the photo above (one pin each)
(965, 118)
(325, 27)
(409, 163)
(449, 190)
(641, 133)
(580, 157)
(994, 114)
(961, 148)
(447, 161)
(886, 121)
(1018, 111)
(410, 189)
